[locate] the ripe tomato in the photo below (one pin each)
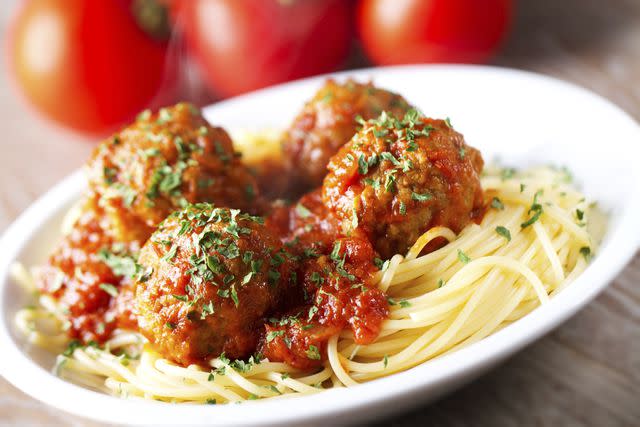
(412, 31)
(87, 64)
(242, 45)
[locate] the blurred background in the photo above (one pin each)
(72, 71)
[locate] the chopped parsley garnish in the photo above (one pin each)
(421, 197)
(234, 296)
(273, 277)
(220, 151)
(166, 180)
(144, 115)
(504, 232)
(128, 195)
(537, 210)
(403, 208)
(579, 214)
(390, 181)
(185, 227)
(380, 133)
(247, 277)
(354, 218)
(170, 254)
(507, 173)
(207, 309)
(109, 288)
(109, 175)
(385, 361)
(496, 203)
(313, 352)
(335, 252)
(533, 218)
(273, 388)
(120, 265)
(381, 264)
(164, 115)
(317, 278)
(302, 211)
(448, 122)
(390, 158)
(170, 182)
(271, 335)
(464, 258)
(374, 183)
(71, 347)
(363, 166)
(214, 264)
(585, 251)
(411, 116)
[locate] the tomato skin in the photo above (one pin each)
(242, 45)
(414, 31)
(86, 64)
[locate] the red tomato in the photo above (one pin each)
(86, 64)
(242, 45)
(413, 31)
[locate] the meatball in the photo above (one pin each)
(161, 163)
(397, 178)
(210, 276)
(89, 275)
(306, 225)
(327, 122)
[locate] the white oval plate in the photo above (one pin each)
(524, 118)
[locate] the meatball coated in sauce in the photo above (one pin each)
(397, 178)
(88, 274)
(327, 122)
(162, 162)
(338, 295)
(211, 275)
(305, 225)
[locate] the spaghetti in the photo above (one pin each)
(533, 241)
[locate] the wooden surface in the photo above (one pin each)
(587, 372)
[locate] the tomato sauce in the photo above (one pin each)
(282, 288)
(338, 294)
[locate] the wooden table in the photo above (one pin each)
(587, 372)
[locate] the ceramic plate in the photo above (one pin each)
(522, 118)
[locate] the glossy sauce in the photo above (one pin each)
(330, 239)
(338, 295)
(96, 299)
